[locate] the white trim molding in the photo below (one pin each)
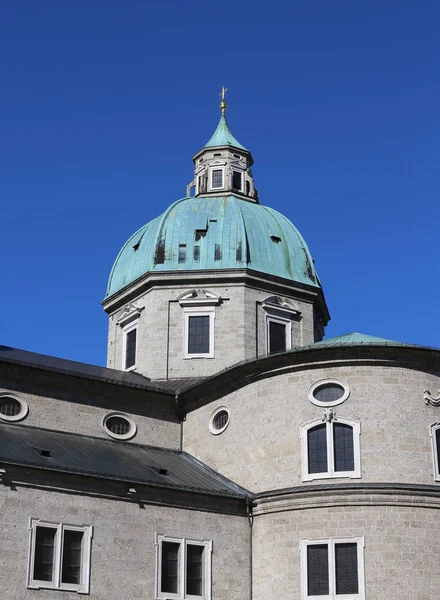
(434, 432)
(24, 408)
(329, 421)
(182, 558)
(331, 544)
(56, 581)
(195, 311)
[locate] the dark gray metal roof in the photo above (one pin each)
(108, 459)
(79, 369)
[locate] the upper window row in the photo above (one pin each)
(218, 181)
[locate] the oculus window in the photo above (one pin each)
(183, 568)
(59, 556)
(219, 420)
(332, 569)
(330, 449)
(328, 392)
(12, 408)
(119, 426)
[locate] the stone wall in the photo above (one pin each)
(123, 557)
(261, 447)
(240, 331)
(401, 550)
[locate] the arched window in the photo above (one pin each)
(330, 449)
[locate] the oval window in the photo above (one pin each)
(12, 408)
(328, 392)
(119, 426)
(219, 420)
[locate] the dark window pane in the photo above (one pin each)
(277, 337)
(346, 569)
(329, 392)
(44, 549)
(10, 407)
(437, 442)
(317, 570)
(220, 420)
(217, 178)
(343, 447)
(248, 188)
(194, 570)
(317, 449)
(170, 567)
(118, 425)
(236, 180)
(130, 349)
(182, 253)
(198, 335)
(72, 550)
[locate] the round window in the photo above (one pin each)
(219, 420)
(328, 392)
(12, 408)
(119, 426)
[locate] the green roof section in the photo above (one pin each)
(222, 136)
(353, 338)
(203, 234)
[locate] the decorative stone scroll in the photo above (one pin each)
(429, 398)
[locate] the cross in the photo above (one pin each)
(223, 92)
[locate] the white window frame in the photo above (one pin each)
(331, 542)
(188, 312)
(435, 450)
(216, 168)
(288, 329)
(24, 408)
(126, 329)
(56, 583)
(331, 473)
(318, 384)
(183, 542)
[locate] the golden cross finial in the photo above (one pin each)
(223, 104)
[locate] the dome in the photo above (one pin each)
(202, 234)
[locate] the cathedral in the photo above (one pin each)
(228, 450)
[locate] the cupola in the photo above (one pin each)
(223, 166)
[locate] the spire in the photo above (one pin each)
(222, 135)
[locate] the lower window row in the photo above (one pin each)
(60, 558)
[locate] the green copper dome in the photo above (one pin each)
(202, 234)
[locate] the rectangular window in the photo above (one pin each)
(333, 568)
(278, 335)
(130, 348)
(217, 178)
(198, 333)
(236, 180)
(59, 556)
(183, 568)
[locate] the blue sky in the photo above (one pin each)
(103, 104)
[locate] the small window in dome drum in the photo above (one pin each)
(198, 335)
(217, 179)
(236, 180)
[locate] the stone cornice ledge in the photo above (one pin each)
(325, 496)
